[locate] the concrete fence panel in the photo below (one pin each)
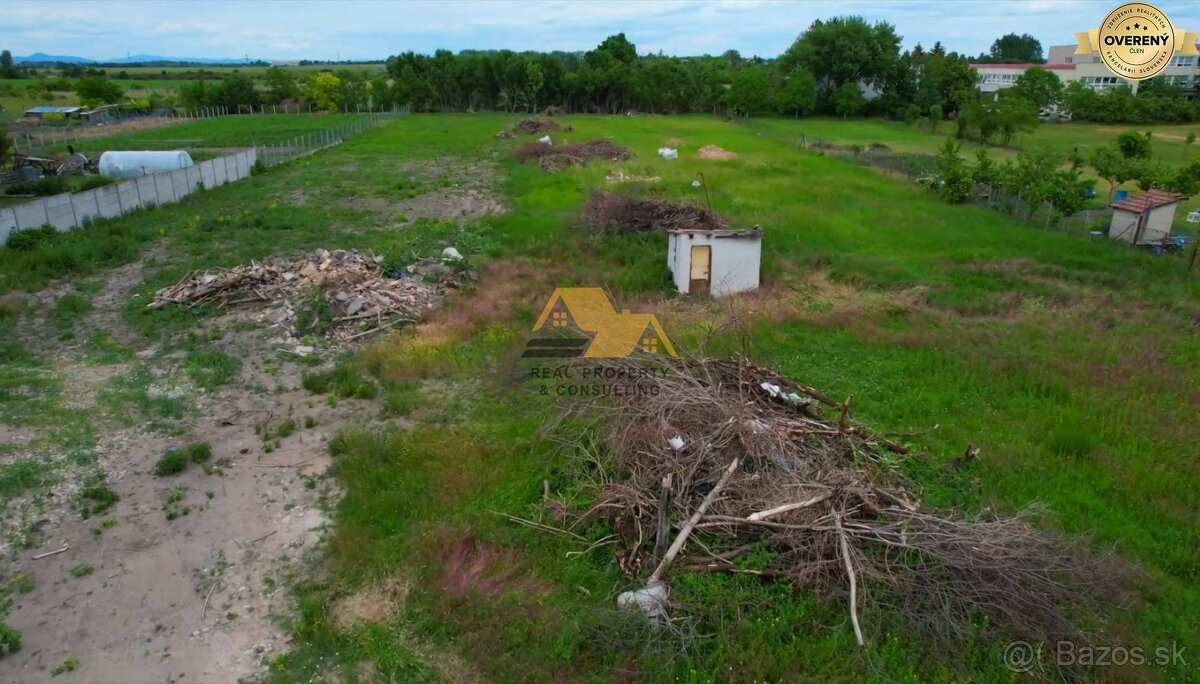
(145, 189)
(60, 212)
(129, 196)
(8, 223)
(30, 214)
(179, 184)
(207, 174)
(108, 198)
(193, 178)
(162, 187)
(85, 207)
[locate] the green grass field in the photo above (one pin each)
(1071, 364)
(243, 130)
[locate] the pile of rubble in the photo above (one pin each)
(343, 294)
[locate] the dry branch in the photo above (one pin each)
(820, 492)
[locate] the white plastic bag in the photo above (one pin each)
(668, 153)
(545, 140)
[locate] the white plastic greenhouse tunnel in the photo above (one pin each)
(135, 164)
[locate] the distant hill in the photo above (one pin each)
(43, 58)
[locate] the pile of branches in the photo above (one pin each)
(357, 299)
(533, 124)
(556, 158)
(627, 213)
(740, 459)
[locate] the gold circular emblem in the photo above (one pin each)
(1136, 41)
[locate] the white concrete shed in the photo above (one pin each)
(716, 262)
(1144, 219)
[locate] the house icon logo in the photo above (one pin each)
(607, 333)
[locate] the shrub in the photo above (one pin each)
(31, 238)
(171, 463)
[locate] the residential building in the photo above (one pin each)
(1183, 70)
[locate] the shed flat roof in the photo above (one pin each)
(748, 232)
(1151, 199)
(45, 109)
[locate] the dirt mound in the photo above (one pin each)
(343, 294)
(533, 124)
(674, 143)
(628, 214)
(556, 158)
(553, 110)
(714, 152)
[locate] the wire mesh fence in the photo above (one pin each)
(916, 166)
(270, 155)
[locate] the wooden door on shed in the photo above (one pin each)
(701, 269)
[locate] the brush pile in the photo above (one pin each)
(533, 125)
(788, 474)
(557, 158)
(345, 288)
(626, 213)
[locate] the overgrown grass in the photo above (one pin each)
(1068, 363)
(1007, 337)
(212, 368)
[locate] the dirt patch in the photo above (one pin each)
(714, 152)
(556, 158)
(452, 190)
(378, 601)
(674, 143)
(187, 575)
(628, 214)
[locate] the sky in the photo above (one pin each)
(375, 29)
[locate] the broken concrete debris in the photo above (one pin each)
(358, 297)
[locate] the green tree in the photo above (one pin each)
(324, 91)
(848, 100)
(534, 82)
(1014, 115)
(98, 90)
(1112, 166)
(7, 69)
(799, 94)
(1134, 145)
(1037, 85)
(750, 93)
(985, 171)
(237, 91)
(281, 85)
(5, 148)
(1016, 49)
(954, 178)
(844, 50)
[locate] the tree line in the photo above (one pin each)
(843, 66)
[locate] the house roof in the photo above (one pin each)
(45, 109)
(1151, 199)
(1052, 67)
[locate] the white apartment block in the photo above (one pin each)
(1183, 70)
